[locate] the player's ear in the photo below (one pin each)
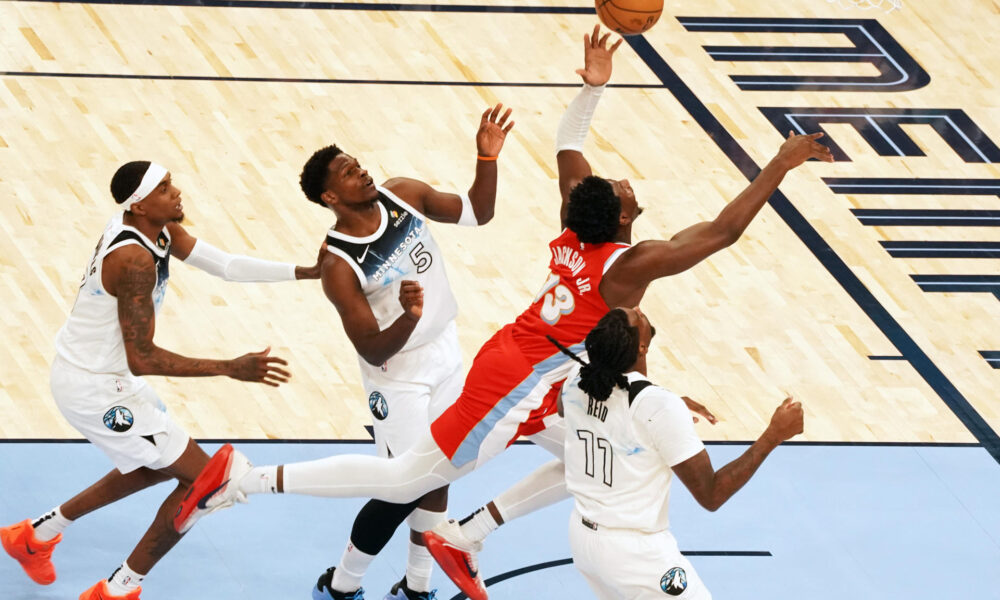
(329, 197)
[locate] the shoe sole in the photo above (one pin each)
(212, 478)
(438, 547)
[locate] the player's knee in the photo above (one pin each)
(421, 520)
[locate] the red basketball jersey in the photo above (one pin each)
(513, 383)
(570, 302)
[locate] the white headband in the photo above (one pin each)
(154, 175)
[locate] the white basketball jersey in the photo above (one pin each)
(401, 248)
(91, 339)
(619, 452)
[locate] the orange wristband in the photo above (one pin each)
(487, 158)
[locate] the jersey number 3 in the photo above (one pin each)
(557, 300)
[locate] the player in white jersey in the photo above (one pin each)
(382, 259)
(105, 348)
(625, 439)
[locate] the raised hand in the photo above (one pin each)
(699, 409)
(411, 297)
(797, 149)
(493, 130)
(787, 421)
(260, 368)
(597, 57)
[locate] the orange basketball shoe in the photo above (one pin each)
(100, 592)
(34, 555)
(457, 556)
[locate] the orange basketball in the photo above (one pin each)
(629, 17)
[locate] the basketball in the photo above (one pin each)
(629, 17)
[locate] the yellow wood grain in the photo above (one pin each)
(740, 331)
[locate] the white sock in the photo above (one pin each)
(124, 580)
(260, 480)
(479, 525)
(351, 569)
(419, 565)
(50, 525)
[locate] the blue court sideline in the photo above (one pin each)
(817, 522)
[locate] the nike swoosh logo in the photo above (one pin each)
(361, 259)
(203, 503)
(28, 548)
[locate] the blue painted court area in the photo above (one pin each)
(817, 522)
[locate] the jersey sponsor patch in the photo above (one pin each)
(118, 419)
(378, 406)
(674, 582)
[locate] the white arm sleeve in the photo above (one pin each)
(669, 425)
(575, 122)
(468, 217)
(234, 267)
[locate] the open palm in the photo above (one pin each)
(597, 57)
(493, 130)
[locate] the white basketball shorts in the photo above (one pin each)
(625, 564)
(120, 414)
(411, 389)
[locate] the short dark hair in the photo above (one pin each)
(127, 178)
(593, 210)
(312, 180)
(612, 347)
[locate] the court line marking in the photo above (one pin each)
(823, 252)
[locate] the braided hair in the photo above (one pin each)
(612, 346)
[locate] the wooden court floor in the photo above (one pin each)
(870, 290)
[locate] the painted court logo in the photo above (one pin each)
(378, 406)
(674, 581)
(118, 419)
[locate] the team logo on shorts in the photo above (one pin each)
(378, 405)
(674, 581)
(118, 419)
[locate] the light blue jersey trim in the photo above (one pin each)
(468, 450)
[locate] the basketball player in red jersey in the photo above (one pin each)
(511, 387)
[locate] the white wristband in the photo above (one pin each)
(468, 218)
(575, 122)
(234, 267)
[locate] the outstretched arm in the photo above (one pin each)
(477, 206)
(130, 275)
(575, 122)
(653, 259)
(375, 346)
(713, 488)
(235, 267)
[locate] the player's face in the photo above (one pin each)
(351, 183)
(636, 318)
(163, 204)
(630, 208)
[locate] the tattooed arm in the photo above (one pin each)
(130, 275)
